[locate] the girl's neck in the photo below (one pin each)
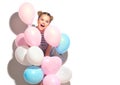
(42, 31)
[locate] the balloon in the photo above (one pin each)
(19, 41)
(26, 13)
(20, 55)
(63, 56)
(33, 75)
(52, 35)
(51, 80)
(64, 74)
(64, 44)
(35, 55)
(51, 65)
(32, 36)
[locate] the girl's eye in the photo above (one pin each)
(47, 21)
(41, 19)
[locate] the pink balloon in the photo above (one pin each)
(52, 35)
(32, 36)
(51, 65)
(51, 80)
(26, 13)
(20, 41)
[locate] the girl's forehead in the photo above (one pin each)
(45, 15)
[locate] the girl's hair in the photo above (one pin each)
(40, 13)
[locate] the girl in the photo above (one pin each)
(44, 19)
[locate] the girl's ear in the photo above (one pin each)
(51, 18)
(39, 13)
(38, 21)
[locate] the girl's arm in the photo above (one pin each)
(47, 53)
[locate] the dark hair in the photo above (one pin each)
(40, 13)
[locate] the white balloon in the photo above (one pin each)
(64, 74)
(35, 55)
(20, 55)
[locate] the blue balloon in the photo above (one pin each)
(64, 44)
(33, 75)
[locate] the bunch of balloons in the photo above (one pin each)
(39, 68)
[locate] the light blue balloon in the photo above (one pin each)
(64, 44)
(33, 75)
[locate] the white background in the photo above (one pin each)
(94, 30)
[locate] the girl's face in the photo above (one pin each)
(43, 21)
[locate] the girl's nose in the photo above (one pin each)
(43, 22)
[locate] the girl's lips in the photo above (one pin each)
(42, 25)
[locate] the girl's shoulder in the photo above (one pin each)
(34, 25)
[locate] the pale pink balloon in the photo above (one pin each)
(26, 13)
(52, 35)
(51, 80)
(51, 65)
(20, 41)
(32, 36)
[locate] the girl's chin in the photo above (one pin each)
(41, 28)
